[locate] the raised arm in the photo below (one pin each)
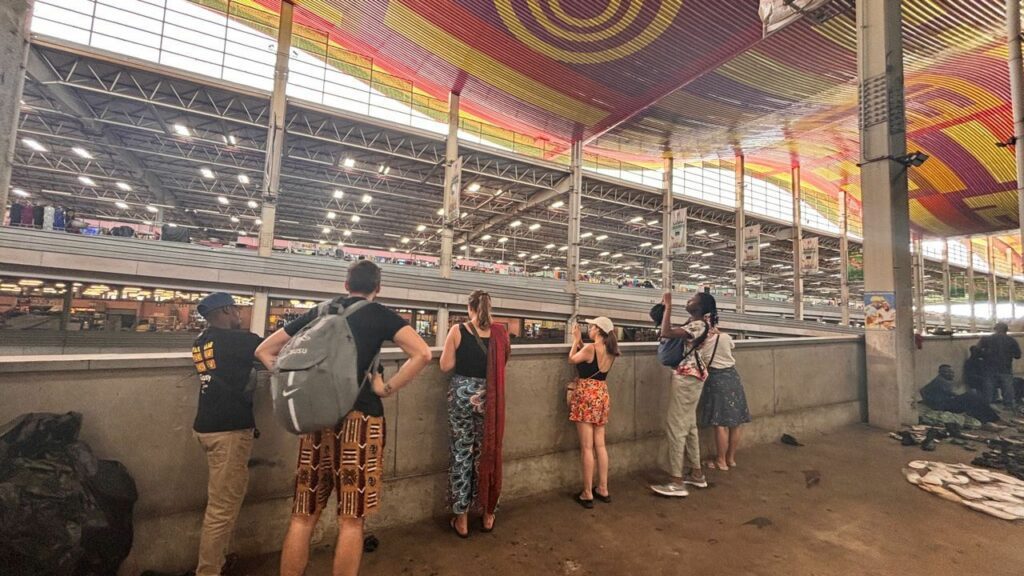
(451, 344)
(667, 331)
(419, 356)
(584, 354)
(267, 352)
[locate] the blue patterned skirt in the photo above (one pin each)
(723, 403)
(466, 397)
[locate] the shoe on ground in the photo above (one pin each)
(702, 482)
(671, 489)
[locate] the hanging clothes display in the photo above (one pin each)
(58, 218)
(37, 216)
(16, 213)
(48, 213)
(26, 215)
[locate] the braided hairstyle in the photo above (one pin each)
(708, 308)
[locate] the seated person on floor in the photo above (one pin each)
(941, 394)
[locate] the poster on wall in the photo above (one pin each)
(452, 209)
(855, 265)
(752, 245)
(879, 310)
(678, 245)
(809, 255)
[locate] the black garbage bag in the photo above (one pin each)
(62, 511)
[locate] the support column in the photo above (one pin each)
(798, 277)
(741, 223)
(15, 20)
(575, 212)
(888, 353)
(65, 311)
(1013, 43)
(919, 316)
(260, 311)
(451, 155)
(844, 260)
(947, 316)
(442, 326)
(970, 284)
(275, 132)
(993, 281)
(1009, 287)
(667, 203)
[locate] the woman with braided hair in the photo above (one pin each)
(682, 443)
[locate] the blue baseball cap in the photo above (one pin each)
(214, 301)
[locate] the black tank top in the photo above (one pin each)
(470, 360)
(591, 369)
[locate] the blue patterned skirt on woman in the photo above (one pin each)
(466, 397)
(723, 402)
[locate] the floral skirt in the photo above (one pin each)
(590, 402)
(723, 402)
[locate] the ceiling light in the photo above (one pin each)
(502, 240)
(557, 204)
(243, 178)
(234, 219)
(601, 237)
(82, 152)
(534, 226)
(646, 244)
(341, 244)
(713, 235)
(326, 230)
(346, 233)
(475, 186)
(258, 222)
(765, 244)
(123, 186)
(617, 255)
(405, 240)
(549, 246)
(33, 144)
(172, 225)
(392, 250)
(586, 235)
(659, 247)
(440, 211)
(709, 253)
(20, 193)
(349, 162)
(182, 130)
(86, 180)
(206, 172)
(421, 228)
(152, 209)
(252, 204)
(547, 267)
(603, 254)
(522, 254)
(563, 248)
(636, 219)
(479, 249)
(535, 256)
(464, 247)
(242, 233)
(121, 205)
(223, 200)
(355, 218)
(339, 194)
(232, 140)
(331, 215)
(585, 262)
(652, 222)
(700, 232)
(367, 198)
(147, 222)
(694, 265)
(383, 169)
(485, 237)
(516, 224)
(499, 192)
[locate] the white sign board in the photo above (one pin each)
(809, 255)
(678, 244)
(752, 245)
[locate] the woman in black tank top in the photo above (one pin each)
(589, 403)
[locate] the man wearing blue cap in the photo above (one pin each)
(223, 355)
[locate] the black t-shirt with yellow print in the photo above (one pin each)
(224, 361)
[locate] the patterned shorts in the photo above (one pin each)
(590, 402)
(349, 460)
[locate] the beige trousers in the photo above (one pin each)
(682, 442)
(227, 457)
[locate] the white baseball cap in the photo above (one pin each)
(603, 323)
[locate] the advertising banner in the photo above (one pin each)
(879, 310)
(752, 245)
(678, 245)
(452, 209)
(809, 255)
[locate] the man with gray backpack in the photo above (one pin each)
(325, 366)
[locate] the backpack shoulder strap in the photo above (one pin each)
(476, 336)
(355, 307)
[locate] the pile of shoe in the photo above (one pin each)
(929, 436)
(1006, 454)
(996, 494)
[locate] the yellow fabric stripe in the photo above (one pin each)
(978, 139)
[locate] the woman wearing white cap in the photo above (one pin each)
(589, 403)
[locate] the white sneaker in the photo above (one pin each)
(702, 483)
(671, 489)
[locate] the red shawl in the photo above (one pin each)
(489, 469)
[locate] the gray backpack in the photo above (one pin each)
(315, 384)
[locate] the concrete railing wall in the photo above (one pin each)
(139, 409)
(952, 350)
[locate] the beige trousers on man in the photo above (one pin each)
(227, 456)
(682, 442)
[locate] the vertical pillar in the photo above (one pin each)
(919, 285)
(15, 20)
(260, 311)
(1013, 42)
(1009, 287)
(844, 260)
(275, 132)
(451, 155)
(741, 223)
(667, 203)
(993, 281)
(947, 305)
(970, 284)
(888, 353)
(65, 311)
(442, 325)
(575, 211)
(798, 277)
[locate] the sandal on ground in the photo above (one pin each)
(483, 523)
(456, 530)
(712, 465)
(606, 498)
(588, 504)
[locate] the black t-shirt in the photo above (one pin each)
(224, 361)
(371, 326)
(999, 351)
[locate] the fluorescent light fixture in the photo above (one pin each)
(234, 219)
(474, 187)
(346, 233)
(121, 205)
(652, 222)
(479, 249)
(421, 228)
(355, 218)
(694, 265)
(522, 255)
(617, 255)
(326, 230)
(207, 173)
(392, 249)
(82, 152)
(252, 204)
(182, 130)
(33, 144)
(601, 237)
(485, 237)
(535, 256)
(232, 140)
(243, 178)
(367, 198)
(383, 169)
(547, 267)
(349, 162)
(464, 247)
(123, 186)
(765, 244)
(499, 192)
(713, 235)
(440, 211)
(339, 194)
(152, 209)
(502, 240)
(557, 204)
(549, 246)
(147, 222)
(563, 248)
(258, 222)
(341, 244)
(172, 224)
(405, 240)
(534, 226)
(709, 253)
(603, 254)
(636, 219)
(20, 193)
(646, 244)
(700, 232)
(223, 200)
(242, 233)
(516, 224)
(331, 215)
(322, 242)
(86, 180)
(659, 247)
(585, 262)
(586, 235)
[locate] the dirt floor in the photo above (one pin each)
(837, 506)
